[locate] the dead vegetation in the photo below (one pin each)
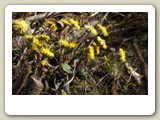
(53, 57)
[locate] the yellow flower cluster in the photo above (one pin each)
(65, 43)
(46, 51)
(20, 26)
(66, 22)
(103, 30)
(43, 37)
(37, 45)
(71, 22)
(52, 25)
(91, 29)
(29, 37)
(96, 48)
(102, 42)
(72, 44)
(91, 52)
(75, 23)
(34, 42)
(122, 53)
(39, 37)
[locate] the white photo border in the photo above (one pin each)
(79, 104)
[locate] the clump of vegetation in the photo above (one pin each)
(80, 53)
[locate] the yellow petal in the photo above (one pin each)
(44, 62)
(75, 23)
(91, 29)
(72, 44)
(66, 22)
(97, 50)
(52, 25)
(43, 36)
(102, 42)
(103, 30)
(122, 54)
(91, 52)
(63, 43)
(29, 37)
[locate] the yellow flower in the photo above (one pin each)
(44, 50)
(97, 50)
(103, 29)
(122, 53)
(63, 43)
(75, 23)
(47, 52)
(35, 44)
(20, 26)
(43, 36)
(91, 29)
(91, 52)
(102, 42)
(29, 37)
(50, 54)
(34, 47)
(72, 44)
(35, 41)
(48, 22)
(66, 22)
(44, 62)
(52, 25)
